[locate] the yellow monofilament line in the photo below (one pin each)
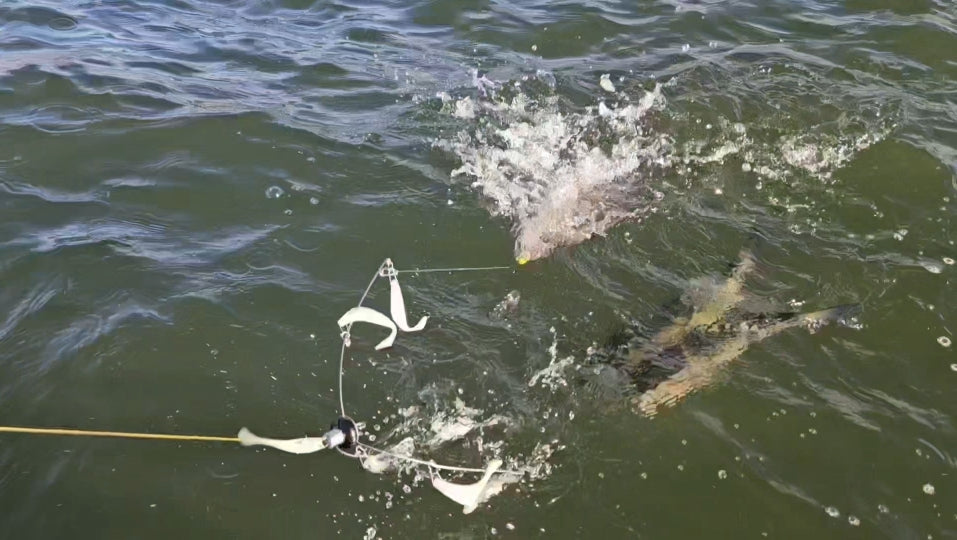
(116, 434)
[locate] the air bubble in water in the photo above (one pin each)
(274, 192)
(944, 341)
(722, 474)
(853, 521)
(929, 489)
(948, 261)
(832, 511)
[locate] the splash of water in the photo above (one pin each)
(564, 174)
(561, 177)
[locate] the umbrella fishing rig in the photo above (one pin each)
(344, 433)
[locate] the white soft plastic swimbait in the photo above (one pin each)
(302, 445)
(397, 308)
(371, 316)
(468, 495)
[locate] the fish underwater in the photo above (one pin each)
(693, 352)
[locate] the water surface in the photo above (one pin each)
(194, 191)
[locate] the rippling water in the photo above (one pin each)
(194, 191)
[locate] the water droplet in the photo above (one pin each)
(944, 341)
(832, 511)
(274, 192)
(929, 489)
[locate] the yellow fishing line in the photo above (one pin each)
(116, 434)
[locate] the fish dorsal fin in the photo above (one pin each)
(713, 300)
(468, 495)
(371, 316)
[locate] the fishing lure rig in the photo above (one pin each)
(344, 434)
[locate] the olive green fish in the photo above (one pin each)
(695, 350)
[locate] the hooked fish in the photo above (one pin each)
(691, 353)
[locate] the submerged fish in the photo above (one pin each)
(691, 353)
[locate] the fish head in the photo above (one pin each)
(540, 239)
(530, 248)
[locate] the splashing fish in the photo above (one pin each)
(563, 177)
(694, 351)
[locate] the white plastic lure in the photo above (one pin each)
(468, 495)
(371, 316)
(397, 308)
(303, 445)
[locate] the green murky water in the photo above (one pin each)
(194, 191)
